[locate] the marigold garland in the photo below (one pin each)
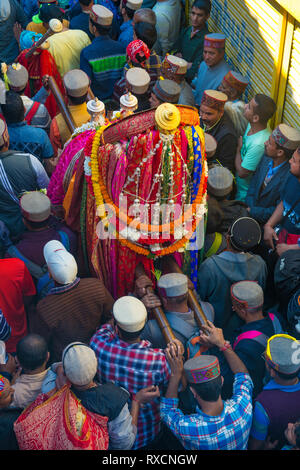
(102, 197)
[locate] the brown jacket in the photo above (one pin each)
(73, 315)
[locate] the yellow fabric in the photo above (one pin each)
(66, 47)
(282, 335)
(80, 116)
(39, 28)
(68, 197)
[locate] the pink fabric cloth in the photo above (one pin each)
(55, 189)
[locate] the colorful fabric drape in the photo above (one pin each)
(198, 148)
(38, 66)
(60, 422)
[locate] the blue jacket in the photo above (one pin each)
(10, 13)
(263, 203)
(217, 274)
(103, 61)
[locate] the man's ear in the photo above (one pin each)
(194, 393)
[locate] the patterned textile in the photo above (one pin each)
(55, 189)
(60, 422)
(137, 51)
(5, 329)
(228, 431)
(132, 366)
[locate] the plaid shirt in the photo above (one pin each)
(228, 431)
(132, 366)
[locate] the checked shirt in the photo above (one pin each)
(228, 431)
(132, 366)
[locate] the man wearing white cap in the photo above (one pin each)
(41, 228)
(79, 366)
(76, 83)
(104, 59)
(19, 172)
(173, 292)
(131, 362)
(128, 8)
(36, 113)
(73, 308)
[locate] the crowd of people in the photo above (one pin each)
(79, 367)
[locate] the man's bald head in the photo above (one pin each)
(32, 352)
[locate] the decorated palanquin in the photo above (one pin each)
(139, 194)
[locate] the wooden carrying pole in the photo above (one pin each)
(61, 104)
(170, 264)
(158, 312)
(55, 26)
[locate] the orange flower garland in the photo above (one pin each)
(102, 196)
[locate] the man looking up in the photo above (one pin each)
(213, 68)
(234, 85)
(190, 43)
(251, 146)
(216, 123)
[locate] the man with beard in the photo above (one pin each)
(215, 121)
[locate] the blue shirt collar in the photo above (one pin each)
(64, 288)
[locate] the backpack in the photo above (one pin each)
(40, 273)
(194, 348)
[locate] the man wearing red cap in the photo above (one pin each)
(217, 123)
(213, 68)
(234, 85)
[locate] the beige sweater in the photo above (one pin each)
(27, 388)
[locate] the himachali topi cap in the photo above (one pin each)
(101, 15)
(35, 206)
(130, 313)
(215, 40)
(167, 91)
(219, 181)
(172, 285)
(175, 65)
(236, 80)
(133, 4)
(138, 80)
(281, 354)
(76, 83)
(210, 145)
(2, 131)
(249, 293)
(245, 234)
(286, 136)
(214, 99)
(17, 76)
(202, 369)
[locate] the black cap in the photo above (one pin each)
(245, 234)
(48, 12)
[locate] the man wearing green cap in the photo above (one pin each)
(215, 424)
(279, 402)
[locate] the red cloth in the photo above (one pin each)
(38, 66)
(49, 423)
(137, 51)
(288, 238)
(15, 284)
